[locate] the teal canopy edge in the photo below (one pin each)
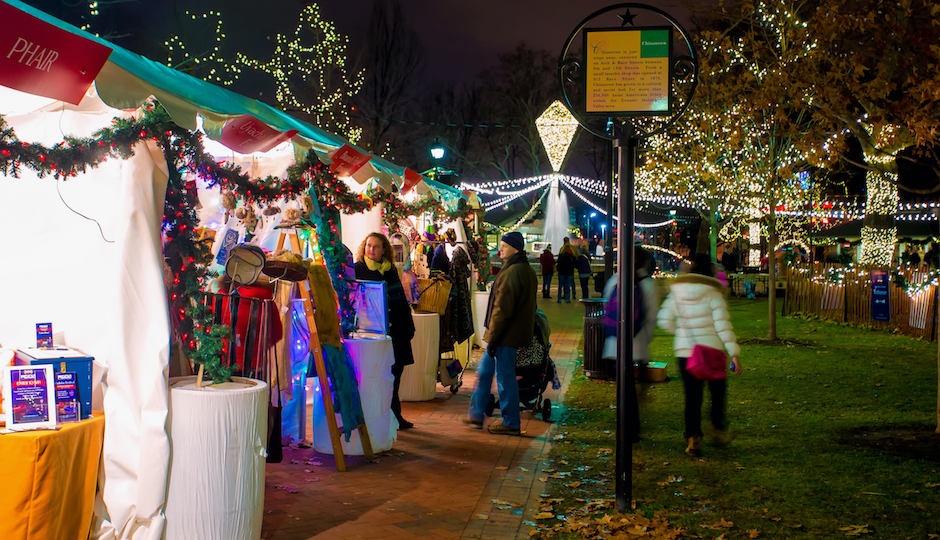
(205, 95)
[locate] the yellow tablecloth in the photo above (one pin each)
(48, 481)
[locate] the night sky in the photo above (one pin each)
(460, 37)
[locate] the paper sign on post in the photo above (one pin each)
(41, 59)
(246, 134)
(347, 160)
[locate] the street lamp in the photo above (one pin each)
(437, 150)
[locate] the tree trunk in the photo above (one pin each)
(772, 275)
(713, 229)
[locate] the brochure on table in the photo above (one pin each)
(65, 360)
(29, 397)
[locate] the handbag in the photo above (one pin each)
(707, 363)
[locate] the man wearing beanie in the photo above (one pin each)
(510, 323)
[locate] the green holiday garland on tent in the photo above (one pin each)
(186, 256)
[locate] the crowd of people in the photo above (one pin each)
(694, 311)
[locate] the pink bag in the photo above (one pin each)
(707, 363)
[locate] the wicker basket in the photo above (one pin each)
(433, 295)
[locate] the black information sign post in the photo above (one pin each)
(625, 84)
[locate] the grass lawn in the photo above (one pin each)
(834, 437)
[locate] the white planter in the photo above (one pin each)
(480, 301)
(218, 439)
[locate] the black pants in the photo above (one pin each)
(585, 289)
(694, 395)
(396, 403)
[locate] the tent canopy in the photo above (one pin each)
(128, 79)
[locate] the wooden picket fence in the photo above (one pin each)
(815, 290)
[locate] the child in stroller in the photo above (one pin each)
(534, 371)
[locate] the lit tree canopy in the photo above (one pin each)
(309, 69)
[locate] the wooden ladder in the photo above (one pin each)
(317, 352)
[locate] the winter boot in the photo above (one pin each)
(695, 446)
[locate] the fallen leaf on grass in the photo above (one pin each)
(931, 485)
(855, 530)
(543, 515)
(573, 484)
(912, 491)
(753, 533)
(722, 524)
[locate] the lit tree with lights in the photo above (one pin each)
(205, 62)
(874, 77)
(744, 140)
(310, 73)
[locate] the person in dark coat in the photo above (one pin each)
(583, 265)
(375, 263)
(565, 269)
(510, 324)
(547, 262)
(440, 260)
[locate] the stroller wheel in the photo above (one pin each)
(491, 406)
(546, 410)
(454, 388)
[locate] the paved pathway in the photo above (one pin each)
(440, 480)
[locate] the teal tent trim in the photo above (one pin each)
(129, 79)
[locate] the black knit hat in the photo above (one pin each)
(515, 240)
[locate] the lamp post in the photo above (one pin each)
(437, 151)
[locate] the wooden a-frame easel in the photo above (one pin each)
(317, 352)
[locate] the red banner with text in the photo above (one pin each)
(246, 134)
(41, 59)
(409, 180)
(347, 160)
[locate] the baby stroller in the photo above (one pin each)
(534, 371)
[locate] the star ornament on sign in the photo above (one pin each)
(627, 18)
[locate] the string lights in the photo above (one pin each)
(318, 70)
(209, 66)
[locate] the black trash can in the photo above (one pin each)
(596, 367)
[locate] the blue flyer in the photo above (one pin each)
(29, 395)
(44, 335)
(66, 397)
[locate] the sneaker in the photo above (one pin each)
(475, 424)
(503, 429)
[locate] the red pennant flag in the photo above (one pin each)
(409, 180)
(41, 59)
(246, 134)
(347, 160)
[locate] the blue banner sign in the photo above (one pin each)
(880, 304)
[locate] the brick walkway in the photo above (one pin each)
(441, 479)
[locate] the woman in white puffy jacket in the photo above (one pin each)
(695, 311)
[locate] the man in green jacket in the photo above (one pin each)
(510, 323)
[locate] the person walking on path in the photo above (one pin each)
(510, 324)
(583, 266)
(375, 263)
(695, 311)
(565, 269)
(547, 262)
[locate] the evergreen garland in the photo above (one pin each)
(186, 256)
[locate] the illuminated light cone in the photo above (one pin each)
(556, 128)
